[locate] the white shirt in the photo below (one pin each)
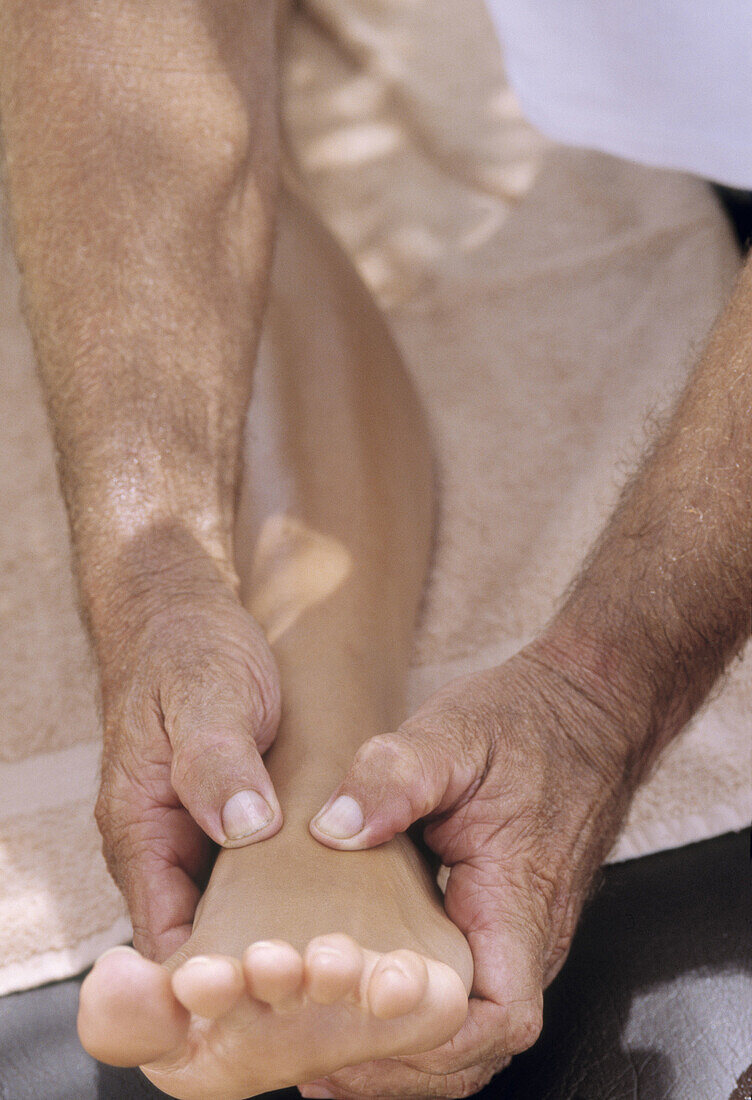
(664, 82)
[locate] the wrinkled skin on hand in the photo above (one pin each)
(521, 780)
(190, 695)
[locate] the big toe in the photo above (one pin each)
(128, 1013)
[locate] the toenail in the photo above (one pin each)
(121, 947)
(327, 954)
(244, 814)
(216, 967)
(394, 968)
(343, 819)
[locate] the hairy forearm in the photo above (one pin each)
(140, 163)
(666, 598)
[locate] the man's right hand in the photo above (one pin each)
(191, 700)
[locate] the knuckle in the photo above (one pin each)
(130, 819)
(108, 834)
(381, 744)
(202, 661)
(102, 812)
(198, 755)
(144, 941)
(133, 858)
(525, 1026)
(454, 732)
(373, 755)
(398, 759)
(112, 841)
(220, 695)
(112, 806)
(269, 710)
(189, 766)
(204, 767)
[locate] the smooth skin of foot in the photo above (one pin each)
(263, 1001)
(303, 960)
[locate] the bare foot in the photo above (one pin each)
(356, 962)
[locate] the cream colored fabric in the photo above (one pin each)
(545, 301)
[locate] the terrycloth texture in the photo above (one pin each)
(544, 300)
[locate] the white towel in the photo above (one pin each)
(545, 302)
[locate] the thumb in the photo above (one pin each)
(395, 779)
(218, 775)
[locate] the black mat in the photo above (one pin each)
(654, 1003)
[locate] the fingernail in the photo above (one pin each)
(315, 1092)
(245, 813)
(343, 819)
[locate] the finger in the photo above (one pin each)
(395, 1078)
(458, 1068)
(219, 777)
(156, 859)
(503, 920)
(396, 779)
(162, 918)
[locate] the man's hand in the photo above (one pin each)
(191, 700)
(524, 772)
(522, 780)
(143, 206)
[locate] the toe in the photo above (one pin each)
(333, 966)
(128, 1013)
(397, 984)
(274, 974)
(209, 985)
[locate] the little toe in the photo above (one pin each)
(397, 985)
(128, 1014)
(209, 985)
(333, 965)
(274, 974)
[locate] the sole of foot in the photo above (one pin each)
(221, 1028)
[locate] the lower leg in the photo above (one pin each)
(334, 531)
(333, 540)
(334, 524)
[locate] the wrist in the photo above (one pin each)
(133, 511)
(127, 584)
(620, 700)
(591, 739)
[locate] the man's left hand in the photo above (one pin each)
(521, 778)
